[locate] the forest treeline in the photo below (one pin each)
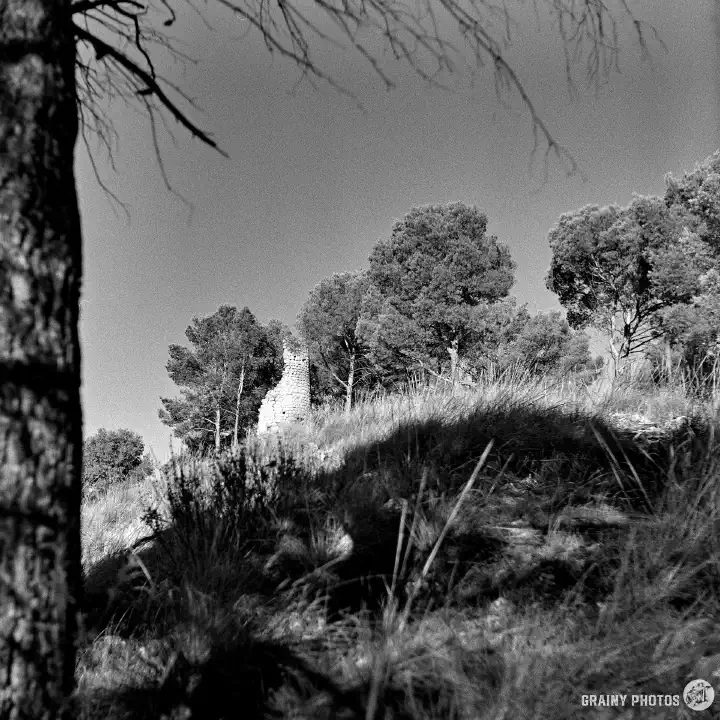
(435, 299)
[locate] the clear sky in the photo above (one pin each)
(312, 183)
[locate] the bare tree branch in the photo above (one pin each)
(413, 32)
(150, 82)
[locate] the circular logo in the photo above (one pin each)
(698, 694)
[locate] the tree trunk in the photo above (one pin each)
(614, 351)
(217, 429)
(350, 382)
(453, 352)
(40, 411)
(237, 406)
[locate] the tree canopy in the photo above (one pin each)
(545, 343)
(693, 324)
(435, 281)
(616, 269)
(112, 456)
(329, 323)
(222, 377)
(697, 195)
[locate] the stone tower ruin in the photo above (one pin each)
(289, 401)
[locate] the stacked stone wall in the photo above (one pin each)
(289, 402)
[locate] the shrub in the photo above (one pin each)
(112, 456)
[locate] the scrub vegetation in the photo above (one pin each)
(440, 551)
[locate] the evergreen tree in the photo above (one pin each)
(329, 323)
(692, 327)
(222, 378)
(620, 269)
(437, 282)
(547, 344)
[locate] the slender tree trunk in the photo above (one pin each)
(237, 406)
(350, 382)
(40, 411)
(453, 352)
(217, 429)
(614, 351)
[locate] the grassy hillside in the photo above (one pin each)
(494, 552)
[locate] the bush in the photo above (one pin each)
(113, 456)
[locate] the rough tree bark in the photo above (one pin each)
(40, 411)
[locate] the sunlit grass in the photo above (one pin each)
(575, 556)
